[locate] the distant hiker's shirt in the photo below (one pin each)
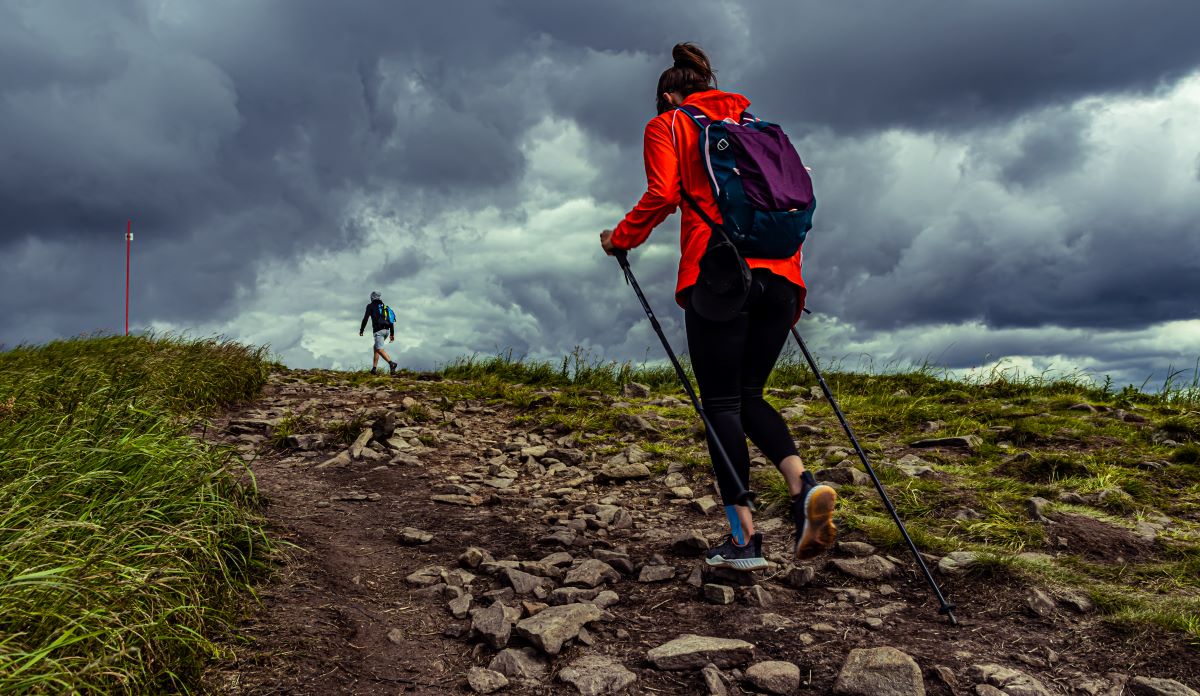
(672, 153)
(378, 323)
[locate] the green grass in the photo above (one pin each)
(579, 369)
(122, 538)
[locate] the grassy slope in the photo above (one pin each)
(121, 538)
(1070, 451)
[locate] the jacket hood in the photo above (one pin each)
(718, 105)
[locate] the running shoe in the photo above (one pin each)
(812, 512)
(727, 554)
(392, 366)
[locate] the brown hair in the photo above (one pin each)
(691, 73)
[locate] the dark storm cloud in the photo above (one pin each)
(937, 65)
(239, 135)
(1054, 145)
(233, 133)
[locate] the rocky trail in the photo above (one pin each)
(464, 551)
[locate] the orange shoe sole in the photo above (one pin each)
(819, 530)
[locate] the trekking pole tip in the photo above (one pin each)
(948, 610)
(747, 499)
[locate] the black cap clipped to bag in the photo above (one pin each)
(724, 283)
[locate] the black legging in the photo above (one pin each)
(732, 360)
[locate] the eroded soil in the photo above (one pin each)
(338, 617)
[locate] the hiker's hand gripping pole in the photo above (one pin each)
(743, 496)
(946, 607)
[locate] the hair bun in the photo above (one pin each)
(689, 56)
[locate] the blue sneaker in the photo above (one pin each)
(727, 554)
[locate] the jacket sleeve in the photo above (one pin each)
(662, 187)
(366, 316)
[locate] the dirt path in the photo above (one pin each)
(342, 616)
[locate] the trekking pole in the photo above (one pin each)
(743, 497)
(946, 608)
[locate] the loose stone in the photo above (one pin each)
(485, 681)
(883, 671)
(690, 651)
(869, 568)
(774, 677)
(596, 675)
(718, 594)
(519, 663)
(656, 573)
(554, 626)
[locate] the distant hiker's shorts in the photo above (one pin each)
(380, 337)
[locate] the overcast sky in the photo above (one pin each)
(1014, 181)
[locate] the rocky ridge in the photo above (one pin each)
(448, 548)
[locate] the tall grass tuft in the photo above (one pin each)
(121, 538)
(580, 369)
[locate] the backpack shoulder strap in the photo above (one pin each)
(695, 114)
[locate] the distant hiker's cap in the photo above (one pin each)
(375, 296)
(724, 284)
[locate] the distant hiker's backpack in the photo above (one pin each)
(762, 188)
(385, 313)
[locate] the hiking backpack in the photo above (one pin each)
(386, 314)
(761, 187)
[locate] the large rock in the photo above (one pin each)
(526, 583)
(491, 624)
(635, 390)
(1035, 507)
(572, 595)
(552, 627)
(1012, 682)
(718, 594)
(869, 568)
(591, 573)
(883, 671)
(519, 663)
(844, 475)
(623, 472)
(1040, 602)
(958, 562)
(596, 675)
(774, 677)
(857, 549)
(411, 536)
(631, 422)
(356, 449)
(969, 442)
(1076, 602)
(689, 543)
(690, 651)
(426, 576)
(485, 681)
(714, 681)
(800, 576)
(339, 459)
(656, 573)
(460, 607)
(1151, 686)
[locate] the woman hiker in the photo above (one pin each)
(731, 358)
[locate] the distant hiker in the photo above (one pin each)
(734, 339)
(383, 326)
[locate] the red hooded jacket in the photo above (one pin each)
(672, 153)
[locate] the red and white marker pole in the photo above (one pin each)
(128, 244)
